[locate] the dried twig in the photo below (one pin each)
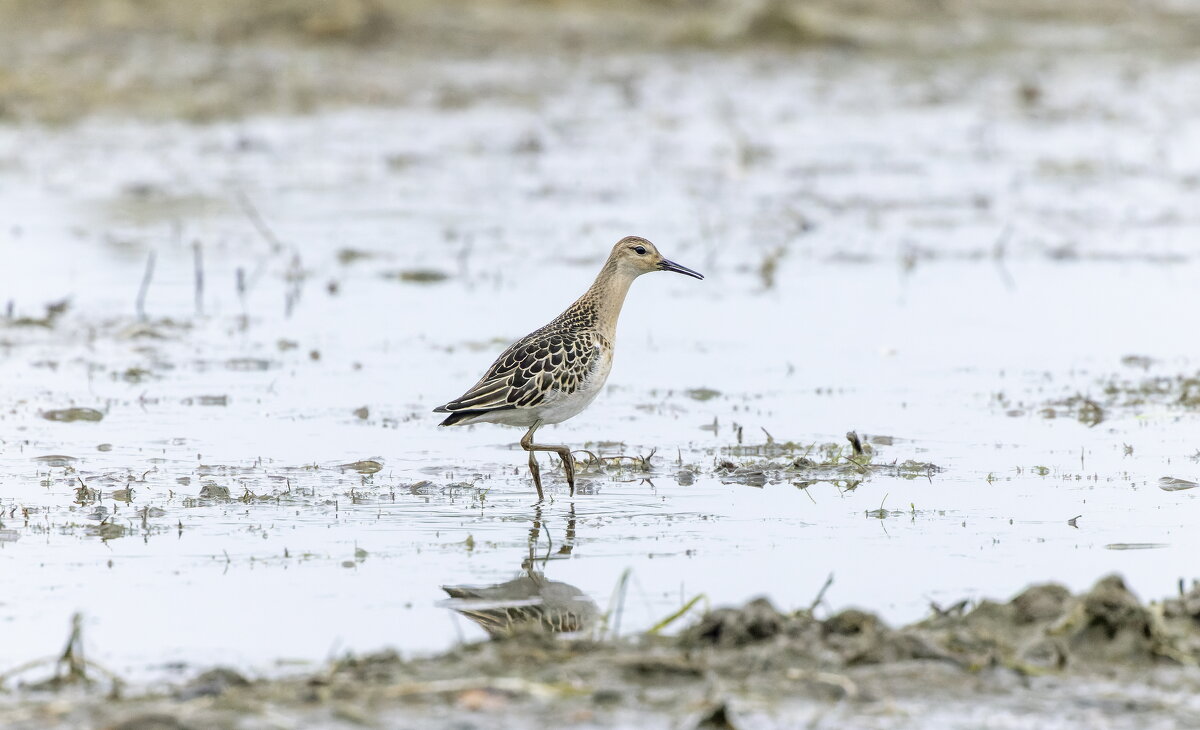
(820, 594)
(260, 225)
(70, 667)
(145, 287)
(198, 265)
(855, 442)
(616, 605)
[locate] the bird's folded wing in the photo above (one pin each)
(531, 369)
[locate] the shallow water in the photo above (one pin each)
(911, 254)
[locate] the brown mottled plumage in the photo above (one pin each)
(554, 372)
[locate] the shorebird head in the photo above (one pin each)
(635, 256)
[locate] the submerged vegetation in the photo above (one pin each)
(1119, 395)
(845, 465)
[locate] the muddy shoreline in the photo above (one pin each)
(63, 62)
(1044, 656)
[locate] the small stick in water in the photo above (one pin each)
(198, 265)
(260, 225)
(855, 443)
(145, 287)
(820, 594)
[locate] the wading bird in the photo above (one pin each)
(554, 372)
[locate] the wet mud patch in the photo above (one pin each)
(70, 415)
(1125, 394)
(1040, 654)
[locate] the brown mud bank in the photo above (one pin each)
(1099, 659)
(61, 61)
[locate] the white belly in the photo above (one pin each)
(558, 407)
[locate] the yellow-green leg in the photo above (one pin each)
(564, 453)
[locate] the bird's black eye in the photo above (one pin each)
(640, 250)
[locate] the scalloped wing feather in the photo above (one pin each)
(524, 374)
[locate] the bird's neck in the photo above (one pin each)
(602, 301)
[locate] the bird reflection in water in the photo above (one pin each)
(530, 603)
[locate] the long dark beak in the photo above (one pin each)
(666, 265)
